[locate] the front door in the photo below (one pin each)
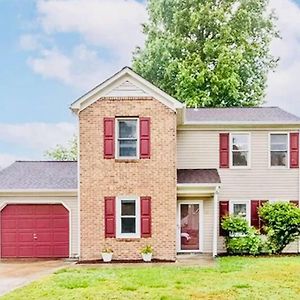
(189, 226)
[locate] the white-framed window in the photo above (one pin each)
(240, 208)
(127, 138)
(128, 217)
(279, 149)
(240, 150)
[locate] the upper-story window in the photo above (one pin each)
(240, 149)
(127, 138)
(279, 149)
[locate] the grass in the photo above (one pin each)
(232, 278)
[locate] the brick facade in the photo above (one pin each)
(155, 177)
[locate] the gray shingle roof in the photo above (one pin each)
(240, 114)
(56, 175)
(198, 176)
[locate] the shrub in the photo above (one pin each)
(281, 223)
(242, 239)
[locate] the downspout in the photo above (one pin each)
(215, 222)
(78, 188)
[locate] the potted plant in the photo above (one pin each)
(107, 254)
(147, 253)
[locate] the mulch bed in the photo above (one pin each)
(123, 261)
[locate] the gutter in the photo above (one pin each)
(38, 192)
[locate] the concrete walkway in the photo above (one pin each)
(14, 274)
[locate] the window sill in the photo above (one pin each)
(126, 161)
(129, 239)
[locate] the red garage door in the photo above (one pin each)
(34, 231)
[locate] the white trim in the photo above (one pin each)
(39, 202)
(248, 151)
(215, 222)
(137, 217)
(78, 189)
(201, 226)
(243, 123)
(38, 192)
(198, 184)
(248, 208)
(137, 138)
(126, 74)
(288, 150)
(196, 190)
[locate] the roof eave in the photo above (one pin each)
(36, 192)
(82, 102)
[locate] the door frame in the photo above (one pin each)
(201, 226)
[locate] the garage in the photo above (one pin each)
(34, 230)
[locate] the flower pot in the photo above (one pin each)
(107, 257)
(147, 257)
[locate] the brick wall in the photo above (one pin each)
(155, 177)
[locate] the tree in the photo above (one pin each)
(208, 53)
(64, 153)
(282, 224)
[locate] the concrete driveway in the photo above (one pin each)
(14, 274)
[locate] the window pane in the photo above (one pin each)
(240, 210)
(127, 148)
(127, 129)
(240, 142)
(128, 208)
(278, 158)
(240, 158)
(128, 225)
(279, 141)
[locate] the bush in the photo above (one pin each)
(242, 239)
(282, 224)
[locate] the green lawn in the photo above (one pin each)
(232, 278)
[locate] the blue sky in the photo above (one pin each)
(53, 51)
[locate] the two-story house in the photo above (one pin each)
(150, 172)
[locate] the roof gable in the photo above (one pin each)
(125, 83)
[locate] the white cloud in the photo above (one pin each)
(105, 23)
(82, 68)
(37, 136)
(29, 42)
(284, 87)
(108, 32)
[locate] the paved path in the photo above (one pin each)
(14, 274)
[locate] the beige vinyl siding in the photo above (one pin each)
(208, 226)
(200, 149)
(70, 203)
(127, 89)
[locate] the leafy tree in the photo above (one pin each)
(282, 224)
(64, 153)
(208, 53)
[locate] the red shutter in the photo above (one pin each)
(109, 138)
(255, 219)
(145, 217)
(223, 212)
(224, 150)
(254, 213)
(295, 202)
(144, 137)
(294, 150)
(109, 216)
